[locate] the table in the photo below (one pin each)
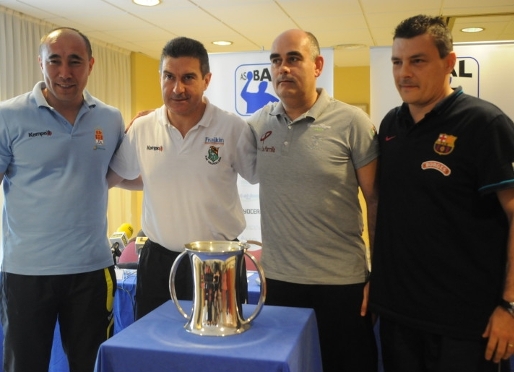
(280, 339)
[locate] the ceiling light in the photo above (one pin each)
(147, 2)
(222, 42)
(473, 29)
(350, 46)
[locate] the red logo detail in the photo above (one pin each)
(265, 135)
(99, 135)
(389, 138)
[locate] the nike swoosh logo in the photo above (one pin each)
(389, 138)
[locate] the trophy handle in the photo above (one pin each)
(262, 296)
(173, 292)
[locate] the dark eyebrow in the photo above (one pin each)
(419, 55)
(414, 56)
(294, 54)
(71, 56)
(75, 56)
(289, 54)
(274, 55)
(192, 73)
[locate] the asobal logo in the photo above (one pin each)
(253, 88)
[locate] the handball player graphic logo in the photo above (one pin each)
(253, 88)
(255, 100)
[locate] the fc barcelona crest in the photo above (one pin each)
(444, 144)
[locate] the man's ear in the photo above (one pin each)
(451, 60)
(319, 62)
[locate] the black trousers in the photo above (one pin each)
(405, 349)
(347, 340)
(153, 278)
(31, 305)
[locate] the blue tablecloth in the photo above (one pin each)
(124, 302)
(280, 339)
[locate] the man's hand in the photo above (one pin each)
(364, 305)
(138, 115)
(500, 331)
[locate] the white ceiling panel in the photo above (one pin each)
(309, 8)
(412, 7)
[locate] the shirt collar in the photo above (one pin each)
(204, 121)
(41, 100)
(440, 107)
(315, 111)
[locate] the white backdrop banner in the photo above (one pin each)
(241, 83)
(484, 70)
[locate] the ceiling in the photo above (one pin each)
(253, 24)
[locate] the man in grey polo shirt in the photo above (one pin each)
(313, 155)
